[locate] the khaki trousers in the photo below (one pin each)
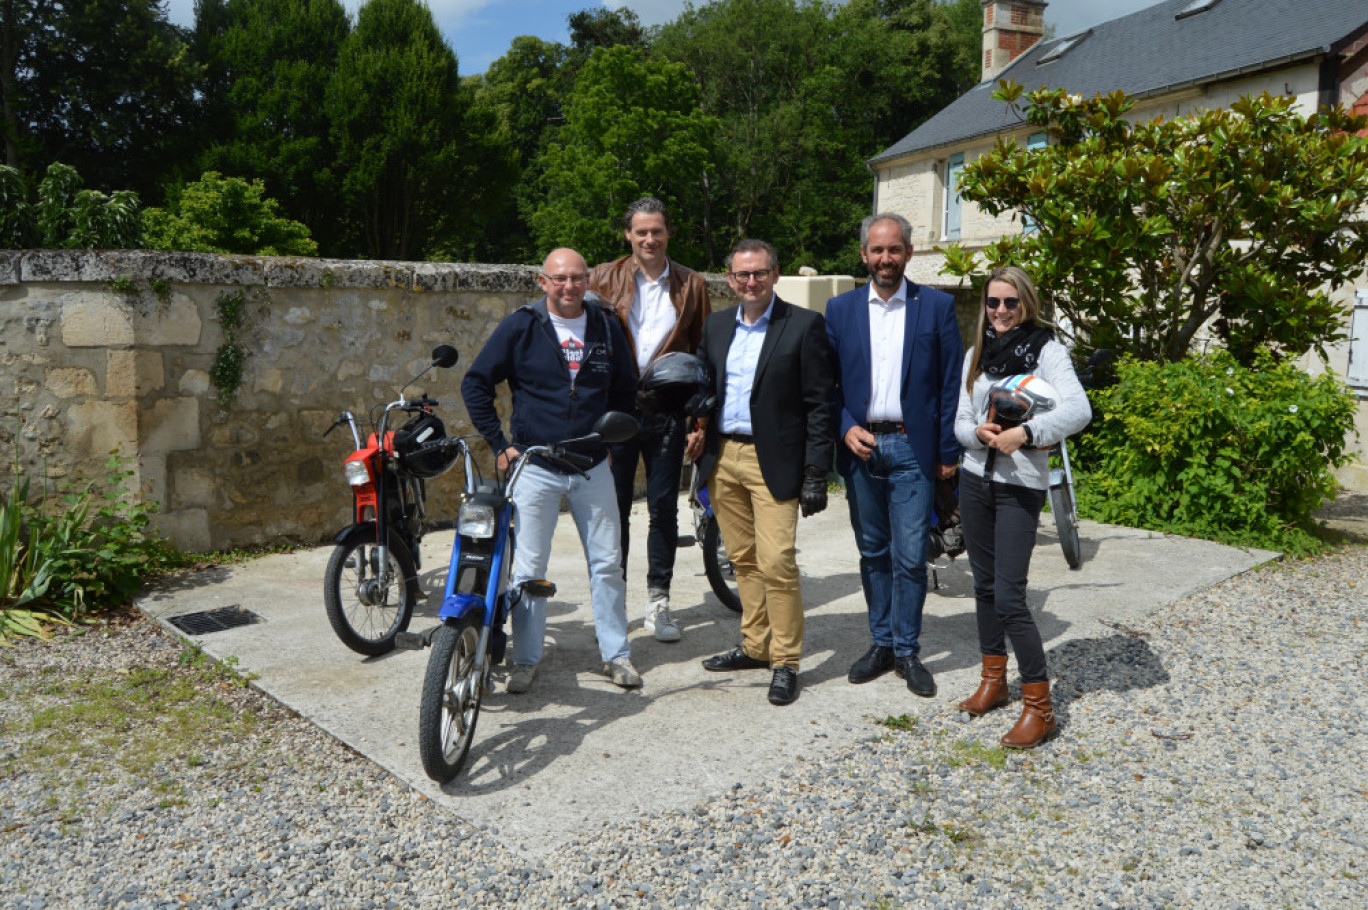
(760, 535)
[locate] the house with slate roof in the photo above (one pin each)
(1174, 58)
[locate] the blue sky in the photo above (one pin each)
(481, 30)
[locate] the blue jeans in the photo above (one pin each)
(890, 509)
(593, 506)
(660, 445)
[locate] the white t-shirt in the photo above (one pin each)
(570, 333)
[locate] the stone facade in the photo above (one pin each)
(111, 353)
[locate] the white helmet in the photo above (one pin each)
(1016, 399)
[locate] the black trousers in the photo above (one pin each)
(1000, 522)
(660, 444)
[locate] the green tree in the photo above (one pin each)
(1246, 218)
(419, 167)
(218, 214)
(632, 128)
(59, 214)
(268, 68)
(523, 92)
(805, 91)
(103, 85)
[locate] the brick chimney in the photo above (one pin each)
(1010, 29)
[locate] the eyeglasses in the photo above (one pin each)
(561, 280)
(1011, 303)
(745, 277)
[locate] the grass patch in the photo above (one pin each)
(903, 723)
(137, 719)
(967, 751)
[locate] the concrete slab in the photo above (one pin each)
(577, 752)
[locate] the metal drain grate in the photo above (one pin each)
(207, 621)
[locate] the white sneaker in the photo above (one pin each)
(623, 673)
(520, 680)
(659, 622)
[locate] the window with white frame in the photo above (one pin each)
(953, 205)
(1034, 141)
(1356, 374)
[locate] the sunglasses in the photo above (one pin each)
(1011, 303)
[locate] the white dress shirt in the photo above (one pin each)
(653, 316)
(887, 319)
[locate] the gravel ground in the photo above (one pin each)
(1211, 756)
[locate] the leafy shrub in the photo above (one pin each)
(1207, 448)
(89, 551)
(58, 214)
(218, 214)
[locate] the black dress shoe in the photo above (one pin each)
(735, 659)
(919, 679)
(877, 661)
(784, 686)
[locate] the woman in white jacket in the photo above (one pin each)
(1003, 487)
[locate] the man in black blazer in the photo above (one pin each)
(766, 452)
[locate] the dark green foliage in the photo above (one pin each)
(58, 214)
(103, 85)
(219, 214)
(226, 371)
(1209, 448)
(270, 63)
(417, 163)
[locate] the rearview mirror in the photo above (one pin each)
(444, 355)
(615, 426)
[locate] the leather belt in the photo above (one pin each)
(743, 438)
(885, 427)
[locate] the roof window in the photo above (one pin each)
(1195, 7)
(1063, 47)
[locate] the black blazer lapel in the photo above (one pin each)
(779, 323)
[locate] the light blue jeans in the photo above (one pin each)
(594, 508)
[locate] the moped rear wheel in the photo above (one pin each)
(1066, 523)
(366, 606)
(453, 689)
(721, 575)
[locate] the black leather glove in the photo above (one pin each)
(813, 499)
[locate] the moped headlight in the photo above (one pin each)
(476, 520)
(358, 475)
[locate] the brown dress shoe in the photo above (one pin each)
(1037, 721)
(992, 690)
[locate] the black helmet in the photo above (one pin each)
(421, 447)
(675, 384)
(1016, 399)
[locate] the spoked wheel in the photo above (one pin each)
(721, 575)
(1066, 523)
(453, 688)
(368, 605)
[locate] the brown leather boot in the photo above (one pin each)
(1037, 721)
(992, 690)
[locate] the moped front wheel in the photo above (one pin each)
(1066, 523)
(721, 575)
(369, 604)
(453, 689)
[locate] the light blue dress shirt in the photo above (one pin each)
(742, 357)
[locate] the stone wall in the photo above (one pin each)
(110, 352)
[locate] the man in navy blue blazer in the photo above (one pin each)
(898, 357)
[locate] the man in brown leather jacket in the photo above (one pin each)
(662, 306)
